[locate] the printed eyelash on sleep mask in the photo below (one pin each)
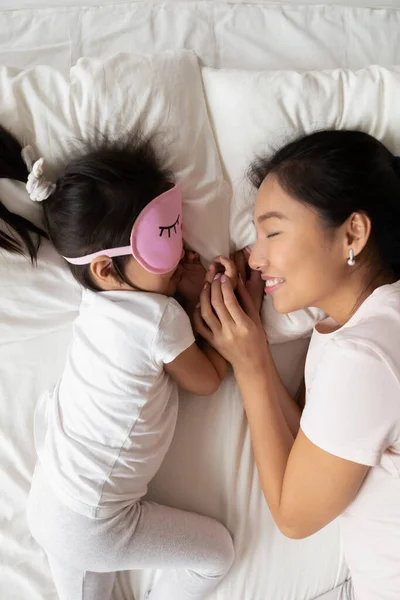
(156, 238)
(169, 227)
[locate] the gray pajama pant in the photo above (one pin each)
(195, 552)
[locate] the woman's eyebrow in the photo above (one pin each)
(270, 215)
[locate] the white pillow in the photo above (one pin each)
(255, 113)
(163, 93)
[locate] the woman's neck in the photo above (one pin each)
(342, 305)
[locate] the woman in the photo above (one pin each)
(327, 216)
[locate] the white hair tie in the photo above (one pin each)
(39, 188)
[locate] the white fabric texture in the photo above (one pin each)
(261, 111)
(102, 431)
(244, 35)
(18, 4)
(209, 467)
(353, 411)
(342, 592)
(195, 551)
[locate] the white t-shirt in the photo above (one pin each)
(102, 432)
(353, 411)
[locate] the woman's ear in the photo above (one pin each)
(103, 274)
(358, 231)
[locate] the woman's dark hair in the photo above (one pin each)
(98, 198)
(338, 173)
(22, 235)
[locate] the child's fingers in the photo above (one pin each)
(246, 300)
(255, 287)
(241, 260)
(192, 257)
(247, 251)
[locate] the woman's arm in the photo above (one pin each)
(255, 287)
(290, 407)
(304, 486)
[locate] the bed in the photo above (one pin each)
(244, 54)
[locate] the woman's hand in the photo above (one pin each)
(223, 266)
(234, 329)
(237, 265)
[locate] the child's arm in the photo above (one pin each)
(200, 371)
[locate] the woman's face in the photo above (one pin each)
(302, 262)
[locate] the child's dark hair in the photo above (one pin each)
(98, 198)
(22, 235)
(338, 173)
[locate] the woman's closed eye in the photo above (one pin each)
(271, 235)
(170, 227)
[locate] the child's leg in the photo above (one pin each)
(195, 552)
(73, 584)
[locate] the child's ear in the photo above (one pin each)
(103, 273)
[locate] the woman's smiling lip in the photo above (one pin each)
(272, 283)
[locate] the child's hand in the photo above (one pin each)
(251, 278)
(241, 260)
(222, 265)
(192, 278)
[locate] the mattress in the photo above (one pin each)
(210, 467)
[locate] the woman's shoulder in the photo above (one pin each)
(360, 364)
(373, 329)
(353, 383)
(377, 323)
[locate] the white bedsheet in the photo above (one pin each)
(17, 4)
(210, 466)
(224, 35)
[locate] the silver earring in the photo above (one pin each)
(351, 261)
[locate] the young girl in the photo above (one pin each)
(102, 432)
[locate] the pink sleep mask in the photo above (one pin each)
(156, 237)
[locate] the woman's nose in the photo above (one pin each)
(256, 260)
